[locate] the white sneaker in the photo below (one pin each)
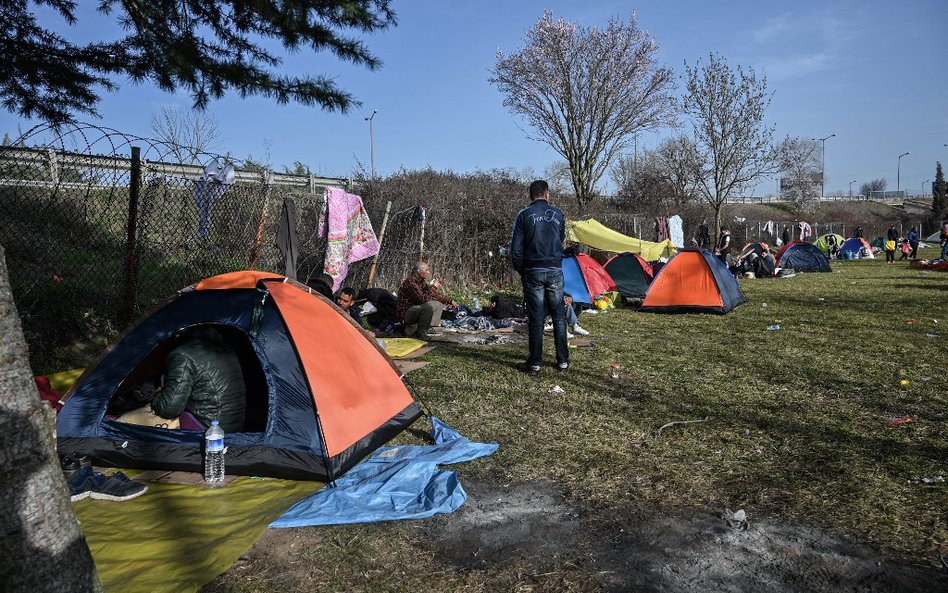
(548, 328)
(569, 336)
(581, 331)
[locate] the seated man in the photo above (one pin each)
(205, 378)
(345, 298)
(420, 304)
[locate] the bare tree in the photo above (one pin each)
(678, 157)
(802, 171)
(189, 133)
(42, 547)
(727, 109)
(876, 185)
(586, 92)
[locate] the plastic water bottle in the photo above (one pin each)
(214, 455)
(476, 306)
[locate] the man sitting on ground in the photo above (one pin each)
(205, 378)
(420, 304)
(346, 301)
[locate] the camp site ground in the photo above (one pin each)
(586, 493)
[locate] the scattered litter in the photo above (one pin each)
(926, 379)
(897, 421)
(763, 305)
(736, 520)
(557, 389)
(935, 321)
(614, 373)
(904, 383)
(673, 423)
(933, 335)
(821, 299)
(932, 480)
(909, 322)
(773, 328)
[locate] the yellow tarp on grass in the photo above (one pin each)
(595, 234)
(398, 347)
(178, 538)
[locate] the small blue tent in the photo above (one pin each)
(804, 257)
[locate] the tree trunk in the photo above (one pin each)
(717, 225)
(42, 547)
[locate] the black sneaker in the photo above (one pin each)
(115, 488)
(530, 369)
(423, 336)
(80, 483)
(73, 462)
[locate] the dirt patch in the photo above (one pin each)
(689, 551)
(502, 524)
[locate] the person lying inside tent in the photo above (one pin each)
(204, 377)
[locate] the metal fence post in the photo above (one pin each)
(134, 189)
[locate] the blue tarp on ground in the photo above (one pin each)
(394, 483)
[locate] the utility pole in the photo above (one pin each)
(372, 141)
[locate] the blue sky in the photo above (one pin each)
(871, 72)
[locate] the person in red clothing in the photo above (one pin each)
(419, 303)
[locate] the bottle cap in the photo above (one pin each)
(214, 422)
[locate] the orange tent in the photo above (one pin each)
(693, 281)
(321, 394)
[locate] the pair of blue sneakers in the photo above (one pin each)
(85, 482)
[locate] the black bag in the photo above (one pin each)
(504, 306)
(138, 397)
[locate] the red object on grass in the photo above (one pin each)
(897, 421)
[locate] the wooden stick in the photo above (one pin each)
(375, 260)
(705, 419)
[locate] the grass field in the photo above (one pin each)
(795, 433)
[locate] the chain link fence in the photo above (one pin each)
(98, 227)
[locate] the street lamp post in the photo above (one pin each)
(823, 171)
(923, 186)
(898, 172)
(372, 141)
(851, 188)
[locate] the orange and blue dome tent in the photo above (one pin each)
(693, 281)
(321, 393)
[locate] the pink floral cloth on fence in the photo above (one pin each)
(348, 231)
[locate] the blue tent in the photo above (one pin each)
(855, 248)
(573, 281)
(804, 257)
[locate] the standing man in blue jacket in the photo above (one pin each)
(536, 252)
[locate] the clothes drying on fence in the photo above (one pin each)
(349, 234)
(805, 231)
(676, 231)
(286, 238)
(770, 228)
(209, 187)
(661, 228)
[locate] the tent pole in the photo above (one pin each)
(375, 260)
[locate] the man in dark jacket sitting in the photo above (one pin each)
(204, 378)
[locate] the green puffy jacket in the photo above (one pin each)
(204, 378)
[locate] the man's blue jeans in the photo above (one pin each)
(543, 294)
